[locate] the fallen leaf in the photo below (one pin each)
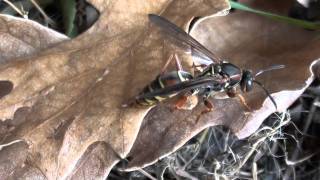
(95, 163)
(21, 37)
(67, 99)
(249, 41)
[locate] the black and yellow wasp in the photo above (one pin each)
(217, 75)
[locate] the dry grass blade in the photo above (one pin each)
(47, 18)
(19, 11)
(10, 143)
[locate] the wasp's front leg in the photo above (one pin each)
(244, 102)
(179, 104)
(232, 93)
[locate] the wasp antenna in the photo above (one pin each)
(274, 67)
(267, 92)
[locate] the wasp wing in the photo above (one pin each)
(214, 82)
(198, 50)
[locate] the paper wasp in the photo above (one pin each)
(217, 75)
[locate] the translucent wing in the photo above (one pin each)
(198, 50)
(214, 82)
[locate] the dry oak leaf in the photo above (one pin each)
(249, 41)
(66, 100)
(21, 37)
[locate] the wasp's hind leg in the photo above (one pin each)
(164, 68)
(185, 102)
(179, 104)
(209, 108)
(177, 61)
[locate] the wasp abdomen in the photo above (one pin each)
(163, 81)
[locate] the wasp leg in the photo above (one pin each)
(185, 102)
(196, 69)
(244, 102)
(163, 70)
(178, 63)
(232, 93)
(209, 108)
(201, 65)
(181, 102)
(177, 60)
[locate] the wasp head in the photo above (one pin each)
(246, 83)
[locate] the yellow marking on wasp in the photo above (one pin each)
(180, 76)
(160, 98)
(160, 82)
(149, 101)
(171, 95)
(212, 70)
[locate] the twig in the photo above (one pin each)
(10, 143)
(191, 159)
(21, 12)
(254, 171)
(161, 173)
(293, 163)
(46, 18)
(146, 174)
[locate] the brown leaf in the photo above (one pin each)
(69, 97)
(95, 162)
(21, 37)
(249, 41)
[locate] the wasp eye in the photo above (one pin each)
(246, 83)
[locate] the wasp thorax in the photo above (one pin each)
(217, 68)
(246, 83)
(231, 71)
